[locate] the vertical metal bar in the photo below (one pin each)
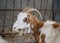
(53, 12)
(41, 4)
(13, 16)
(34, 3)
(50, 14)
(4, 16)
(40, 8)
(13, 13)
(45, 10)
(20, 4)
(27, 3)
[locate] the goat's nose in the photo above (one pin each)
(19, 29)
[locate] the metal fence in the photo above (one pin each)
(10, 8)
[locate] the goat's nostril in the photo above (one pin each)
(19, 29)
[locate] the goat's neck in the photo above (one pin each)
(36, 25)
(36, 31)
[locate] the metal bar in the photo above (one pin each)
(4, 17)
(20, 5)
(53, 18)
(40, 4)
(10, 9)
(22, 9)
(13, 14)
(45, 10)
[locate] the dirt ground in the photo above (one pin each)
(20, 39)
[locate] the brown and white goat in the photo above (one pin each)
(25, 20)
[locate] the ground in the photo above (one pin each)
(20, 39)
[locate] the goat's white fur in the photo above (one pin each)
(19, 24)
(52, 34)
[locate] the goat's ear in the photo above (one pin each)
(56, 25)
(41, 24)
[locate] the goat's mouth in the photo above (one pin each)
(20, 31)
(8, 34)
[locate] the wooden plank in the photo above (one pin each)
(57, 16)
(51, 15)
(8, 19)
(57, 13)
(44, 16)
(44, 2)
(37, 6)
(30, 3)
(43, 6)
(24, 4)
(17, 4)
(2, 4)
(9, 14)
(48, 13)
(49, 4)
(1, 19)
(10, 4)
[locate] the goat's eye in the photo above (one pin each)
(25, 19)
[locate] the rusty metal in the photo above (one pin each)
(10, 9)
(22, 9)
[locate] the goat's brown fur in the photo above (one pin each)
(56, 25)
(36, 25)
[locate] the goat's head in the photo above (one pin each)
(24, 20)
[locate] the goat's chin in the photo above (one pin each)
(17, 34)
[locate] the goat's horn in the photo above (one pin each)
(32, 9)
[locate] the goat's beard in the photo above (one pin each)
(22, 32)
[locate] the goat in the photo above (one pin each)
(25, 20)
